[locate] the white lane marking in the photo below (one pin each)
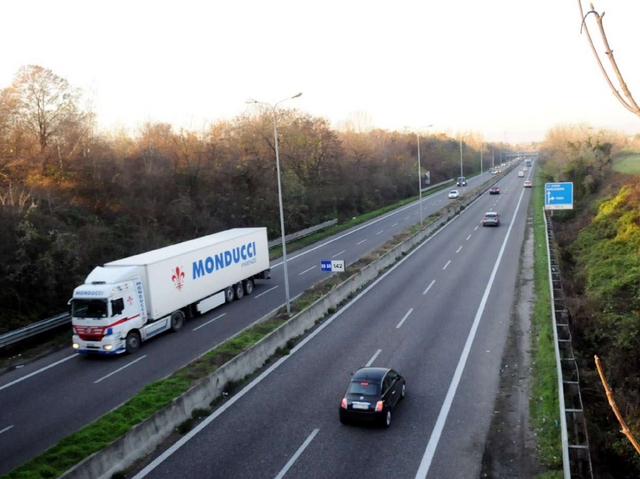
(403, 319)
(448, 263)
(407, 218)
(458, 250)
(338, 254)
(187, 437)
(468, 237)
(357, 244)
(416, 213)
(379, 232)
(475, 228)
(120, 369)
(267, 291)
(297, 454)
(373, 358)
(394, 224)
(208, 322)
(74, 355)
(429, 287)
(306, 270)
(5, 429)
(425, 463)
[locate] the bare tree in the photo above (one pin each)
(629, 103)
(42, 103)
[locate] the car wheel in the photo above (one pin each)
(132, 343)
(387, 419)
(248, 287)
(239, 290)
(229, 295)
(403, 393)
(177, 320)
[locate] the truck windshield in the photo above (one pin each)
(89, 308)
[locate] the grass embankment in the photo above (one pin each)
(544, 402)
(628, 163)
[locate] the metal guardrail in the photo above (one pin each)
(302, 233)
(575, 440)
(34, 329)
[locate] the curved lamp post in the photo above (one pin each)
(284, 244)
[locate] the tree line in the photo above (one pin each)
(73, 196)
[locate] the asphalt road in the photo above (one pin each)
(46, 400)
(440, 318)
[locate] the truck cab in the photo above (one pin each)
(462, 181)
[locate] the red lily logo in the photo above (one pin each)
(178, 278)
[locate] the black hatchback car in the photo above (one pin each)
(371, 396)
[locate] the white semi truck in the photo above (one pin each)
(133, 299)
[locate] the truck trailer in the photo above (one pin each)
(128, 301)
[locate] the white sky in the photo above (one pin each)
(506, 69)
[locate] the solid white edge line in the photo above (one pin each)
(373, 358)
(300, 450)
(448, 263)
(338, 254)
(119, 369)
(187, 437)
(5, 429)
(74, 355)
(208, 322)
(267, 291)
(403, 319)
(458, 250)
(429, 452)
(429, 287)
(306, 270)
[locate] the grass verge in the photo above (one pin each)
(628, 163)
(544, 402)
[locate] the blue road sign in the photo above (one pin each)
(558, 196)
(332, 265)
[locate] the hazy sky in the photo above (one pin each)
(505, 69)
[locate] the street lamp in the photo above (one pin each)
(284, 244)
(420, 172)
(461, 137)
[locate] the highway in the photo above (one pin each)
(440, 317)
(65, 391)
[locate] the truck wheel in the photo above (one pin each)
(177, 320)
(248, 287)
(229, 295)
(239, 290)
(132, 342)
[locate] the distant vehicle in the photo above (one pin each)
(371, 396)
(493, 171)
(454, 194)
(528, 184)
(520, 174)
(462, 181)
(524, 168)
(491, 218)
(494, 190)
(128, 301)
(527, 162)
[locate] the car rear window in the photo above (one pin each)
(364, 388)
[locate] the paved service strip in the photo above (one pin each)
(430, 451)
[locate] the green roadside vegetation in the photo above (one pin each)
(627, 163)
(544, 403)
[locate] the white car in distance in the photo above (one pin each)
(454, 194)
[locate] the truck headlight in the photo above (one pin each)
(76, 346)
(108, 347)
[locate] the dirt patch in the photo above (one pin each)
(510, 450)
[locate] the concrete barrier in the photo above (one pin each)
(143, 438)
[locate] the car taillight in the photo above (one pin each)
(379, 405)
(343, 405)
